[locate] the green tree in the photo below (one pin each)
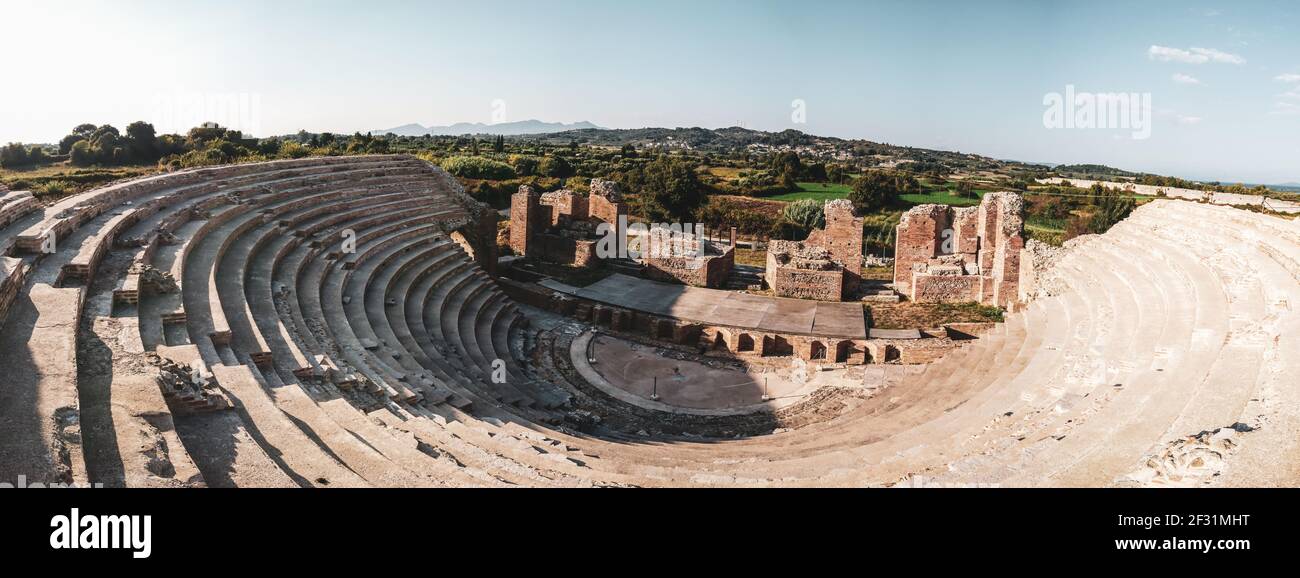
(1111, 207)
(142, 141)
(787, 167)
(815, 172)
(13, 155)
(524, 165)
(667, 188)
(836, 173)
(556, 167)
(37, 156)
(65, 145)
(875, 190)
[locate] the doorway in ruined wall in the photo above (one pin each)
(745, 343)
(664, 330)
(842, 350)
(777, 346)
(817, 351)
(720, 341)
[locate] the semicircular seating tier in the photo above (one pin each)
(319, 322)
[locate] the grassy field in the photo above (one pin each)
(1050, 231)
(827, 191)
(941, 197)
(728, 173)
(816, 191)
(52, 182)
(751, 257)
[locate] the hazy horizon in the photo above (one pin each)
(942, 75)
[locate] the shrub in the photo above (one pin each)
(1112, 207)
(478, 168)
(805, 214)
(293, 150)
(56, 188)
(722, 212)
(81, 154)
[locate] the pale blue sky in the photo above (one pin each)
(957, 75)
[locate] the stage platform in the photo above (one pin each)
(725, 308)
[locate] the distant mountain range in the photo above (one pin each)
(522, 127)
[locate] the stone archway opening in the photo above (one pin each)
(745, 343)
(817, 351)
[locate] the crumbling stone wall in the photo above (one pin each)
(808, 283)
(566, 206)
(827, 266)
(948, 288)
(605, 201)
(686, 257)
(525, 208)
(565, 250)
(560, 226)
(918, 240)
(842, 238)
(958, 255)
(704, 271)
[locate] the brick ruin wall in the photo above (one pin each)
(959, 255)
(827, 266)
(708, 271)
(808, 283)
(564, 206)
(743, 343)
(842, 236)
(565, 250)
(525, 206)
(605, 201)
(558, 226)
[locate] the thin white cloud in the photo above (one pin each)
(1285, 108)
(1181, 78)
(1219, 56)
(1193, 55)
(1289, 78)
(1178, 117)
